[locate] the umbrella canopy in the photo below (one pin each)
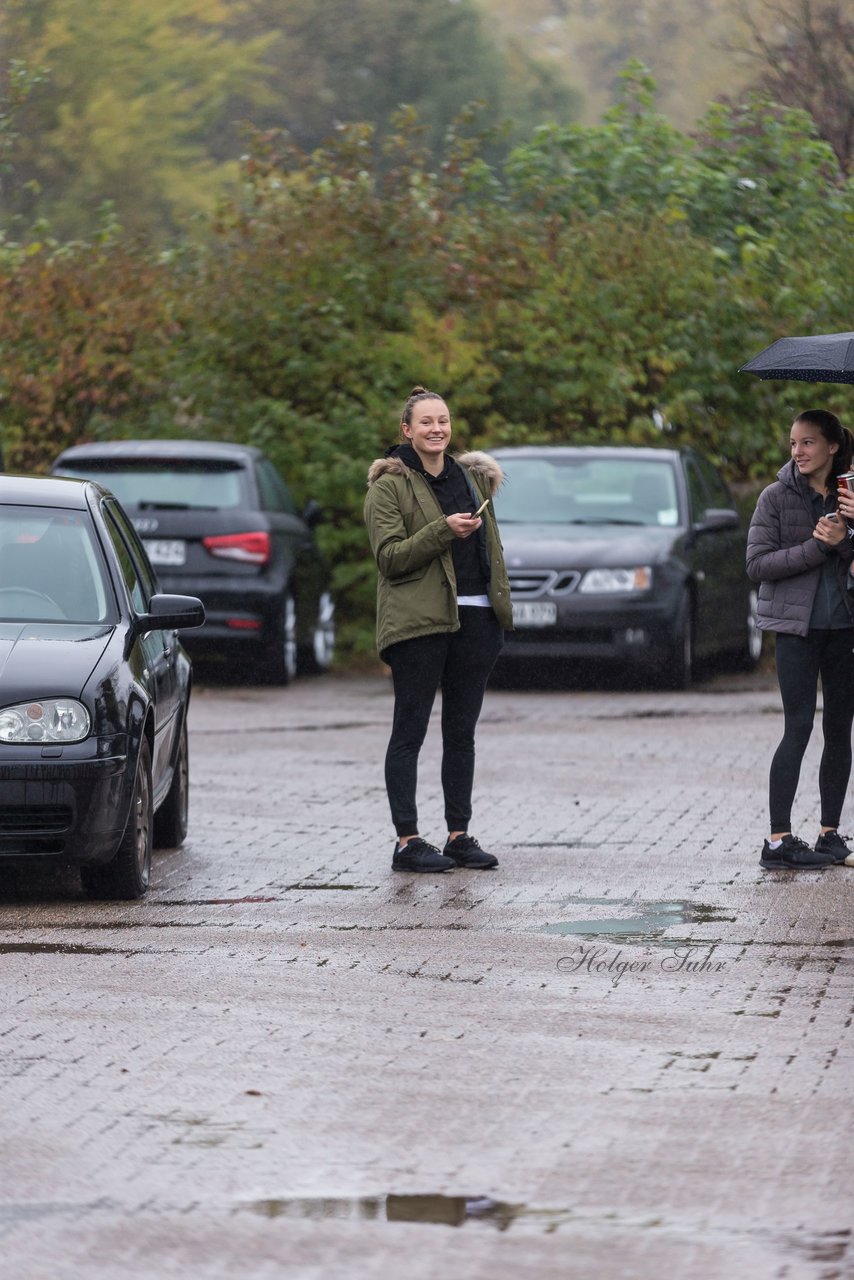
(826, 357)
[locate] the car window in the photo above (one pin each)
(128, 567)
(51, 567)
(718, 493)
(698, 499)
(168, 483)
(585, 490)
(275, 494)
(140, 559)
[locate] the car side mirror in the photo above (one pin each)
(717, 518)
(171, 613)
(313, 513)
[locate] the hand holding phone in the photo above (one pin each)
(480, 508)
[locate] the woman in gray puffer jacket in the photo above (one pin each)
(800, 551)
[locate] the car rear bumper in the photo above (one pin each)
(74, 810)
(238, 609)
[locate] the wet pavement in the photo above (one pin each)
(626, 1053)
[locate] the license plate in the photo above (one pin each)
(166, 550)
(534, 613)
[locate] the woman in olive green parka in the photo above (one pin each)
(443, 602)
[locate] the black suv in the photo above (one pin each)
(218, 522)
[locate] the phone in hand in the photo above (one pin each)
(480, 508)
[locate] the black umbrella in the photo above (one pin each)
(826, 357)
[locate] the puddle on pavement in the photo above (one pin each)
(290, 887)
(559, 844)
(456, 1211)
(452, 926)
(65, 948)
(209, 902)
(293, 728)
(227, 902)
(451, 1211)
(647, 923)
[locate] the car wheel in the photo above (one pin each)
(170, 820)
(750, 650)
(281, 652)
(317, 656)
(677, 670)
(128, 873)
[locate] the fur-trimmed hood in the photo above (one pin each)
(479, 463)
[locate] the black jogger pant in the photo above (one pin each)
(800, 662)
(460, 662)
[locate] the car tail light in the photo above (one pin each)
(244, 624)
(249, 548)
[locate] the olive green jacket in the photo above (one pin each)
(411, 542)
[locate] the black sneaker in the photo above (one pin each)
(834, 844)
(418, 855)
(466, 852)
(794, 854)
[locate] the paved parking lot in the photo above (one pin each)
(626, 1053)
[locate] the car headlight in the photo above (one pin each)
(53, 720)
(604, 581)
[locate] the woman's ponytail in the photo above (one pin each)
(844, 458)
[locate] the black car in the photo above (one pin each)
(219, 522)
(94, 688)
(627, 554)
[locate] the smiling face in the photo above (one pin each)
(429, 432)
(812, 453)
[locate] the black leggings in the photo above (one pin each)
(800, 662)
(461, 662)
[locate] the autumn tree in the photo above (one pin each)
(359, 60)
(144, 103)
(131, 95)
(82, 333)
(802, 54)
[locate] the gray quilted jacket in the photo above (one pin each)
(785, 559)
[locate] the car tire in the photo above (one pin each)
(280, 656)
(127, 874)
(677, 669)
(316, 657)
(746, 657)
(170, 820)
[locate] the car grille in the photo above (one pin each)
(528, 584)
(34, 828)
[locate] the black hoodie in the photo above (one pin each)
(454, 494)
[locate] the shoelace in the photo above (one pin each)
(419, 846)
(465, 842)
(833, 837)
(797, 844)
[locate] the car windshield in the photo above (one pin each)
(50, 567)
(580, 490)
(171, 484)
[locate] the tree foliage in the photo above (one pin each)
(802, 55)
(360, 59)
(142, 102)
(604, 284)
(131, 96)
